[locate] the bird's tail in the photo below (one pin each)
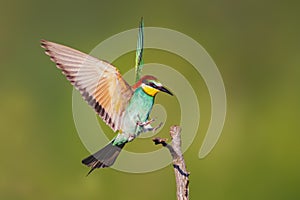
(105, 157)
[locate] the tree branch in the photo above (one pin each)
(181, 174)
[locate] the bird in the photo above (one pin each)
(124, 108)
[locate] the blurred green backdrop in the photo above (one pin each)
(256, 46)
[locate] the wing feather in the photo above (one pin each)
(99, 82)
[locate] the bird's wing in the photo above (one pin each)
(100, 83)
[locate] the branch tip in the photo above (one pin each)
(159, 140)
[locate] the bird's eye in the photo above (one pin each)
(151, 84)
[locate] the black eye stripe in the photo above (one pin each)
(152, 84)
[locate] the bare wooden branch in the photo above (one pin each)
(181, 174)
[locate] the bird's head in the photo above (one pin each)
(151, 85)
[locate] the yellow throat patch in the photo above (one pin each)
(150, 90)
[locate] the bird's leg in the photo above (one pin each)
(157, 127)
(148, 127)
(142, 124)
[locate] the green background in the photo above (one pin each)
(256, 47)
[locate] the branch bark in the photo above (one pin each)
(181, 174)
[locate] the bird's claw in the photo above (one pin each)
(150, 128)
(142, 124)
(157, 127)
(147, 127)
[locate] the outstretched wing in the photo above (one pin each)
(100, 83)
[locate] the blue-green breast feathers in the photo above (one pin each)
(138, 110)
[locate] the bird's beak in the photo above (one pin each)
(163, 89)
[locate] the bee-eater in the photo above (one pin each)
(122, 107)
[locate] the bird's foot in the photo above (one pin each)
(148, 127)
(143, 124)
(157, 127)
